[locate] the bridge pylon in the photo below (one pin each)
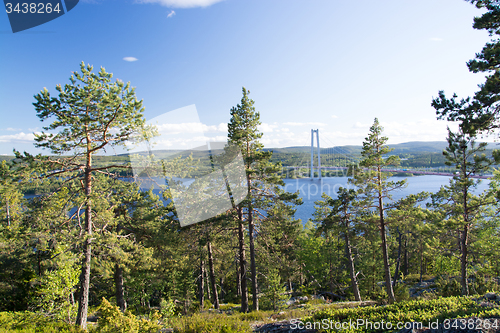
(312, 153)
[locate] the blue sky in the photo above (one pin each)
(327, 64)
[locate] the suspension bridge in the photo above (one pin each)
(338, 161)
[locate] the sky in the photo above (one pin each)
(318, 64)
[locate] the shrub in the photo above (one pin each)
(424, 311)
(112, 320)
(274, 296)
(167, 308)
(29, 322)
(414, 278)
(482, 284)
(402, 292)
(213, 323)
(449, 287)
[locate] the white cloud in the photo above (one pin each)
(10, 129)
(130, 59)
(172, 13)
(279, 135)
(436, 39)
(334, 116)
(305, 124)
(182, 3)
(360, 125)
(267, 128)
(19, 137)
(188, 135)
(171, 129)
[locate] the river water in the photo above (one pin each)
(311, 190)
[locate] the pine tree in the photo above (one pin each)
(10, 195)
(342, 214)
(480, 112)
(263, 182)
(242, 131)
(457, 200)
(92, 114)
(375, 189)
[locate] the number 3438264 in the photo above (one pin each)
(32, 8)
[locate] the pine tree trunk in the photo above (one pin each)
(421, 260)
(119, 289)
(8, 213)
(387, 270)
(201, 285)
(238, 280)
(243, 263)
(209, 293)
(212, 275)
(222, 289)
(463, 261)
(398, 260)
(352, 271)
(383, 236)
(83, 304)
(255, 300)
(465, 236)
(405, 257)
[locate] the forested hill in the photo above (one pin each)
(412, 154)
(411, 147)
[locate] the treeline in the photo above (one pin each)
(126, 245)
(90, 235)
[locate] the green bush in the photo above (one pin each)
(415, 278)
(167, 308)
(112, 320)
(29, 322)
(424, 311)
(402, 292)
(211, 323)
(378, 294)
(207, 305)
(274, 295)
(482, 285)
(230, 306)
(449, 287)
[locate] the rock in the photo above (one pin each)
(92, 319)
(279, 327)
(491, 296)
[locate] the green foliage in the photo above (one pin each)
(478, 114)
(29, 322)
(448, 287)
(112, 320)
(53, 296)
(424, 311)
(274, 294)
(414, 278)
(375, 189)
(402, 292)
(211, 323)
(167, 308)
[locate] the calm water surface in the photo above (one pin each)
(311, 190)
